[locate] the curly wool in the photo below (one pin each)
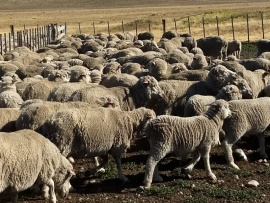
(26, 157)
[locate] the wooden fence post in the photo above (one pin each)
(136, 27)
(189, 25)
(217, 26)
(262, 25)
(164, 25)
(203, 27)
(175, 27)
(27, 38)
(248, 28)
(5, 40)
(1, 45)
(79, 27)
(12, 35)
(232, 27)
(94, 28)
(123, 30)
(149, 26)
(109, 32)
(30, 39)
(9, 41)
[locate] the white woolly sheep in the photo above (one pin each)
(199, 62)
(9, 98)
(198, 104)
(182, 136)
(138, 95)
(120, 79)
(104, 130)
(249, 117)
(28, 157)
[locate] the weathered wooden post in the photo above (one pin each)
(248, 28)
(164, 25)
(217, 26)
(232, 27)
(175, 27)
(123, 30)
(262, 25)
(189, 25)
(203, 27)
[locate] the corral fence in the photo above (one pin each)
(246, 27)
(33, 38)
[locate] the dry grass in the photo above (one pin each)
(37, 12)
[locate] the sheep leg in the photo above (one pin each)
(239, 151)
(100, 166)
(52, 196)
(228, 153)
(150, 170)
(14, 197)
(261, 138)
(45, 191)
(117, 158)
(205, 151)
(195, 158)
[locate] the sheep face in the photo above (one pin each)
(244, 88)
(108, 101)
(199, 62)
(231, 92)
(220, 107)
(151, 86)
(62, 177)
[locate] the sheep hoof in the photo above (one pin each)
(158, 179)
(102, 170)
(234, 166)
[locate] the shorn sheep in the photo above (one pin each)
(182, 136)
(96, 132)
(27, 158)
(249, 117)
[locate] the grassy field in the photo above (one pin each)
(36, 12)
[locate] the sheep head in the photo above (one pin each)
(108, 101)
(229, 92)
(151, 87)
(218, 108)
(244, 87)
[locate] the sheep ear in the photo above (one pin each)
(71, 172)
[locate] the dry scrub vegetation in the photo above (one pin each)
(37, 12)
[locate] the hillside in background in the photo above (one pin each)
(93, 4)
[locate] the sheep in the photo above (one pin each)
(169, 34)
(34, 112)
(95, 76)
(146, 89)
(104, 131)
(178, 92)
(79, 74)
(59, 75)
(234, 48)
(39, 90)
(255, 64)
(178, 67)
(196, 50)
(196, 135)
(62, 92)
(265, 55)
(177, 56)
(28, 157)
(190, 75)
(198, 104)
(215, 46)
(199, 62)
(8, 120)
(263, 45)
(146, 36)
(122, 79)
(249, 117)
(189, 42)
(9, 98)
(257, 80)
(266, 91)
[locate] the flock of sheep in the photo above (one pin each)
(92, 95)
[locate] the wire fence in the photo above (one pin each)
(245, 27)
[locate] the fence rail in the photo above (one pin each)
(248, 27)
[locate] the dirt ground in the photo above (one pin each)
(177, 187)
